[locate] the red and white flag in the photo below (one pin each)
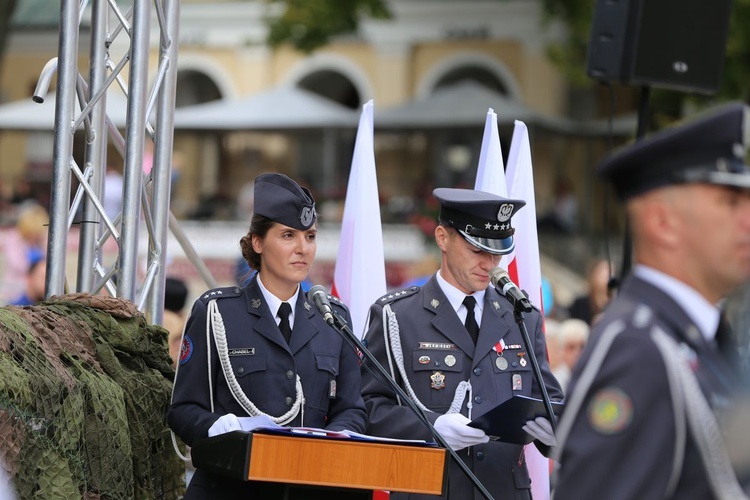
(359, 275)
(525, 266)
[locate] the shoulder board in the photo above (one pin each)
(335, 301)
(393, 296)
(221, 293)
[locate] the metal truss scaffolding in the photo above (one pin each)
(82, 104)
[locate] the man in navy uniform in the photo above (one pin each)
(264, 350)
(454, 347)
(642, 419)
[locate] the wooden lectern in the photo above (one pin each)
(324, 461)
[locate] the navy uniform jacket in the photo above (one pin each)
(266, 369)
(622, 443)
(434, 339)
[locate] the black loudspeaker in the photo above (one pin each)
(677, 44)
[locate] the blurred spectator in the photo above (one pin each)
(563, 216)
(589, 306)
(422, 270)
(21, 247)
(112, 200)
(572, 336)
(245, 199)
(554, 344)
(33, 292)
(175, 297)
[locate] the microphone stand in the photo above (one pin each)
(339, 324)
(518, 310)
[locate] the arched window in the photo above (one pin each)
(334, 86)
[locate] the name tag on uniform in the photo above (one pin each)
(437, 345)
(242, 351)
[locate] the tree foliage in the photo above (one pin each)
(309, 24)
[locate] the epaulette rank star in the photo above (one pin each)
(390, 297)
(219, 293)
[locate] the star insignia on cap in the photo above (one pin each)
(488, 226)
(496, 227)
(505, 226)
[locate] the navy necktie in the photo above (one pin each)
(471, 322)
(284, 311)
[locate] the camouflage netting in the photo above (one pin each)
(84, 386)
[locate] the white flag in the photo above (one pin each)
(359, 275)
(525, 267)
(491, 171)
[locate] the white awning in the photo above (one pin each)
(29, 115)
(282, 108)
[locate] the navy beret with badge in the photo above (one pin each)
(281, 199)
(708, 149)
(483, 219)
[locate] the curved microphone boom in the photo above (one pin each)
(318, 295)
(505, 286)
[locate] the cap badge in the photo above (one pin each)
(506, 210)
(306, 216)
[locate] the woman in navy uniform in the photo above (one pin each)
(241, 356)
(454, 365)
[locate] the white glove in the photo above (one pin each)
(452, 427)
(540, 428)
(225, 423)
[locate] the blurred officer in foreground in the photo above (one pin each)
(647, 400)
(265, 350)
(454, 347)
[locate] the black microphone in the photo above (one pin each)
(504, 286)
(318, 295)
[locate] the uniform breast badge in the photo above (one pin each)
(450, 360)
(521, 355)
(517, 382)
(501, 362)
(437, 380)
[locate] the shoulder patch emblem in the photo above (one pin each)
(610, 411)
(390, 297)
(186, 350)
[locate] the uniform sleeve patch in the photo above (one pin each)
(186, 350)
(610, 411)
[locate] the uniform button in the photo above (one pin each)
(241, 369)
(514, 364)
(477, 371)
(478, 400)
(289, 401)
(480, 455)
(289, 374)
